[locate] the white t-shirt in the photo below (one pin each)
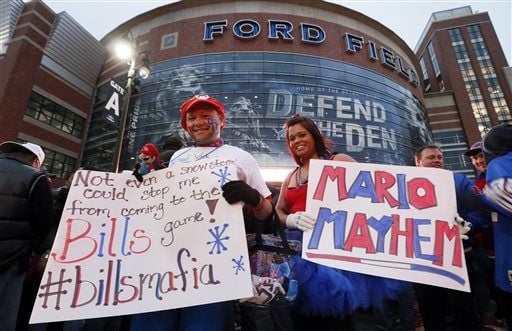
(247, 168)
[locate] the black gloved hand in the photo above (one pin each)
(136, 172)
(238, 190)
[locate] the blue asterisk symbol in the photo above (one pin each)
(223, 174)
(280, 133)
(239, 265)
(218, 238)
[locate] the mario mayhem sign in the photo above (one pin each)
(389, 221)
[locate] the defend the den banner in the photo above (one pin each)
(126, 247)
(389, 221)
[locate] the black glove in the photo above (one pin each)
(238, 190)
(136, 172)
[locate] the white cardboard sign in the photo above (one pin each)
(389, 221)
(125, 247)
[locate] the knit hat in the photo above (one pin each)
(497, 142)
(474, 149)
(196, 100)
(11, 146)
(150, 149)
(173, 142)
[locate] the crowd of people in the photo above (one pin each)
(328, 298)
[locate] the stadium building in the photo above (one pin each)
(266, 61)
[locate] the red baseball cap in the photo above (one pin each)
(150, 149)
(196, 100)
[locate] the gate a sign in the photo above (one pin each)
(115, 93)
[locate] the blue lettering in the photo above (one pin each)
(402, 194)
(354, 43)
(280, 29)
(312, 33)
(325, 216)
(382, 227)
(413, 77)
(102, 241)
(417, 239)
(387, 58)
(246, 29)
(363, 186)
(125, 232)
(372, 51)
(212, 28)
(400, 67)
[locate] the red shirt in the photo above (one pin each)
(295, 198)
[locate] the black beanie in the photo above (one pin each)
(497, 142)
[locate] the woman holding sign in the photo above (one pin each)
(327, 296)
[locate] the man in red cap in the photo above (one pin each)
(203, 118)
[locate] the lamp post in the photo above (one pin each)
(127, 49)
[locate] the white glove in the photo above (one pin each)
(464, 227)
(300, 220)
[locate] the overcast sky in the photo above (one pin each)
(407, 18)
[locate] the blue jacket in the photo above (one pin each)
(470, 204)
(499, 175)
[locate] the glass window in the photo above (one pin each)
(433, 59)
(169, 40)
(363, 113)
(453, 144)
(53, 114)
(426, 80)
(468, 75)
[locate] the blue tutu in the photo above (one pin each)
(326, 291)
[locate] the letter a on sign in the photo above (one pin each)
(113, 103)
(111, 111)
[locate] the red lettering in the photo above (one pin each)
(109, 280)
(170, 277)
(443, 229)
(135, 291)
(383, 181)
(69, 240)
(427, 199)
(132, 242)
(408, 233)
(112, 236)
(359, 235)
(332, 173)
(78, 288)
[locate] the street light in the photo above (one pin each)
(127, 49)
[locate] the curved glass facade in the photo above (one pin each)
(362, 113)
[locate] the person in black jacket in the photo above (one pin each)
(26, 215)
(170, 145)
